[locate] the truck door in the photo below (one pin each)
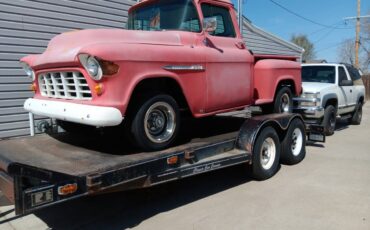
(345, 96)
(228, 62)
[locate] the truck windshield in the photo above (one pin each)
(165, 15)
(323, 74)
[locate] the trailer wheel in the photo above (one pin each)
(266, 154)
(156, 123)
(293, 145)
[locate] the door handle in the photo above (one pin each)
(240, 45)
(350, 91)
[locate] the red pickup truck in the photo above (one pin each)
(175, 55)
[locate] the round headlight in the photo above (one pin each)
(92, 66)
(28, 70)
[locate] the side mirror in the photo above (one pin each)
(346, 83)
(210, 24)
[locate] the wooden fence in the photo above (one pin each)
(366, 79)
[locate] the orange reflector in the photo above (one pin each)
(172, 160)
(99, 89)
(33, 87)
(67, 189)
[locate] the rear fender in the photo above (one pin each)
(268, 74)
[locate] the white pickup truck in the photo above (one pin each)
(330, 90)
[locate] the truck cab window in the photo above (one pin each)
(225, 27)
(342, 74)
(353, 73)
(165, 15)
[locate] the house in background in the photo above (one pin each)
(26, 27)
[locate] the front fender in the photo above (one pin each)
(328, 97)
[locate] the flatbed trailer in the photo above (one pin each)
(37, 172)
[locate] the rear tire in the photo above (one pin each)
(294, 144)
(329, 121)
(155, 122)
(283, 102)
(266, 154)
(357, 115)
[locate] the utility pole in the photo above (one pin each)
(358, 27)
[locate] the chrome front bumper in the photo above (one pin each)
(77, 113)
(311, 112)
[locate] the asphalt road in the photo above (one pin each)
(330, 189)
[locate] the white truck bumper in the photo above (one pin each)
(77, 113)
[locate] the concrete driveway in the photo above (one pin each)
(330, 189)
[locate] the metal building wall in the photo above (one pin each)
(262, 42)
(26, 26)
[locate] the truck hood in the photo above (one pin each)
(64, 48)
(316, 87)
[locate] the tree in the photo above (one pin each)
(303, 41)
(365, 43)
(346, 52)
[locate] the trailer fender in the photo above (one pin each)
(252, 127)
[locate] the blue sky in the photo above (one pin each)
(268, 16)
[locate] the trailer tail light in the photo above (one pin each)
(67, 189)
(173, 160)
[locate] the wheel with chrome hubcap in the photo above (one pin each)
(293, 145)
(266, 154)
(283, 101)
(156, 123)
(159, 122)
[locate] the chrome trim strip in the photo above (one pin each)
(185, 67)
(302, 99)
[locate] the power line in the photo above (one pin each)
(304, 18)
(324, 36)
(330, 47)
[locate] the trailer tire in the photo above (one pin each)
(329, 120)
(293, 145)
(357, 115)
(155, 122)
(266, 154)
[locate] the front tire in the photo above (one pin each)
(293, 146)
(266, 154)
(156, 123)
(329, 121)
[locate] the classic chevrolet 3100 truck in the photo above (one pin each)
(175, 55)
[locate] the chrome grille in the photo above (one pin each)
(64, 85)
